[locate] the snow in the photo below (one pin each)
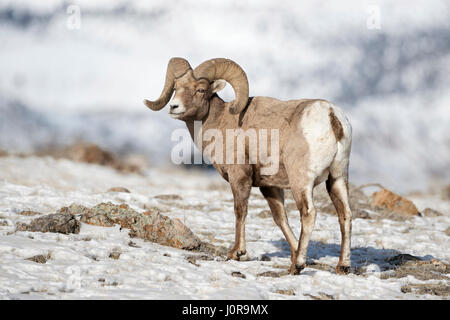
(80, 268)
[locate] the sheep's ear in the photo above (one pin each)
(218, 85)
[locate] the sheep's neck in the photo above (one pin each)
(212, 120)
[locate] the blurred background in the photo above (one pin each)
(79, 70)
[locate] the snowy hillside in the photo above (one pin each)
(81, 266)
(59, 82)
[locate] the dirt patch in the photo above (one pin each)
(273, 274)
(428, 212)
(441, 289)
(321, 296)
(407, 265)
(168, 197)
(118, 189)
(28, 213)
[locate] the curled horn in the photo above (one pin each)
(231, 72)
(176, 68)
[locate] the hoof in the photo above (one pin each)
(235, 255)
(343, 269)
(295, 269)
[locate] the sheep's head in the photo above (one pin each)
(194, 88)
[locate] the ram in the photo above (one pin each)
(314, 142)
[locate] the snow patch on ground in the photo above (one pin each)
(80, 267)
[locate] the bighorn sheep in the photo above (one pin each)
(314, 146)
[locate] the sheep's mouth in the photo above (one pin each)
(176, 115)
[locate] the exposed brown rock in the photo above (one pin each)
(92, 153)
(387, 200)
(114, 255)
(428, 212)
(40, 258)
(60, 222)
(148, 225)
(238, 274)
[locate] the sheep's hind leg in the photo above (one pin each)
(338, 191)
(275, 198)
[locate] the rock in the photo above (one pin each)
(149, 225)
(3, 153)
(387, 200)
(4, 223)
(114, 255)
(420, 269)
(39, 258)
(402, 258)
(168, 197)
(29, 213)
(265, 258)
(288, 292)
(238, 274)
(133, 245)
(265, 214)
(271, 274)
(90, 153)
(61, 222)
(447, 231)
(431, 213)
(321, 296)
(440, 289)
(118, 189)
(446, 192)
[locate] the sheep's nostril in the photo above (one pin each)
(173, 106)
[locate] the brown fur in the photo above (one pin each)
(336, 125)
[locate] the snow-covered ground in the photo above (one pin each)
(80, 267)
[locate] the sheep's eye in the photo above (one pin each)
(201, 90)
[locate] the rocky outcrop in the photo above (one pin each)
(149, 225)
(387, 200)
(60, 222)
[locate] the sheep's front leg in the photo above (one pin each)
(241, 186)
